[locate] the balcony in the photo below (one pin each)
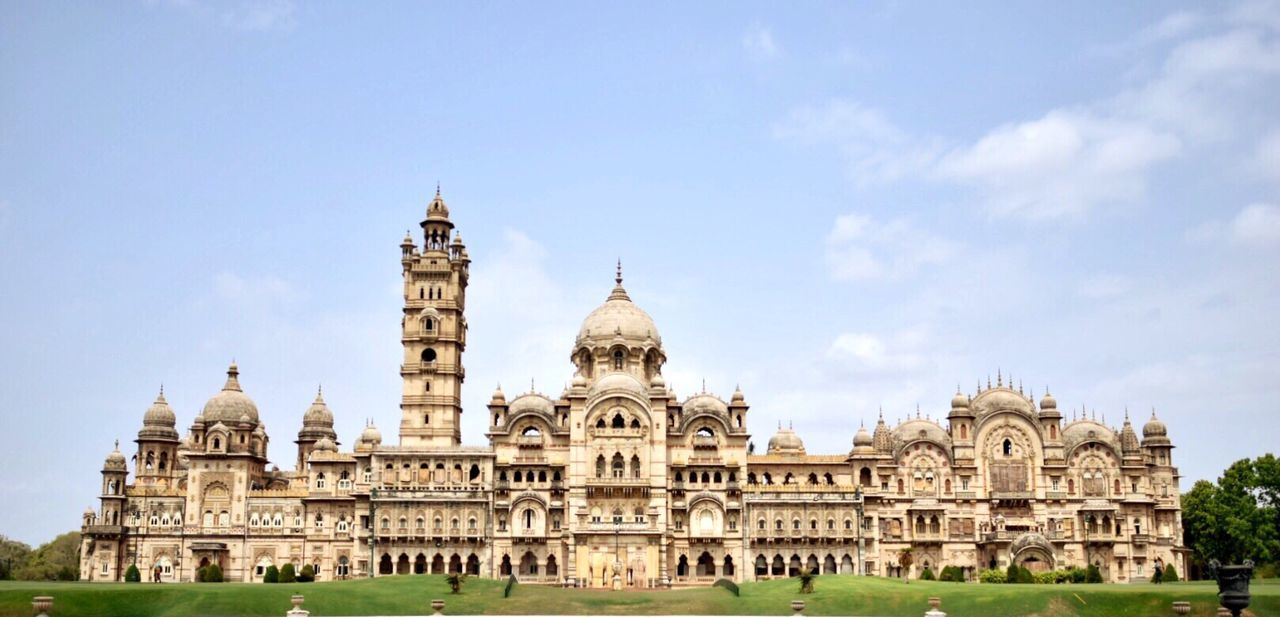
(966, 495)
(1140, 538)
(596, 431)
(623, 481)
(1056, 495)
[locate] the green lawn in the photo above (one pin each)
(411, 595)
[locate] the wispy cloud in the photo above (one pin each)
(859, 248)
(1074, 159)
(249, 15)
(759, 42)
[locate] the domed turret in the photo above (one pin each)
(863, 442)
(371, 436)
(1155, 433)
(115, 461)
(231, 404)
(786, 442)
(159, 422)
(499, 397)
(326, 445)
(318, 414)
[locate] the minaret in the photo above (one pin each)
(157, 445)
(434, 332)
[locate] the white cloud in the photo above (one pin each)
(1060, 165)
(1076, 158)
(863, 351)
(251, 15)
(759, 42)
(253, 292)
(858, 248)
(1257, 225)
(1266, 157)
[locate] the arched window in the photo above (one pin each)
(617, 359)
(528, 518)
(319, 480)
(635, 466)
(1008, 448)
(618, 421)
(600, 465)
(964, 431)
(617, 465)
(635, 423)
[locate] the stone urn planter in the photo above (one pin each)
(797, 607)
(296, 600)
(1233, 585)
(42, 604)
(1181, 608)
(437, 606)
(935, 602)
(1223, 612)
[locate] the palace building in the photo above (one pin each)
(616, 481)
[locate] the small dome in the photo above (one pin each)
(863, 438)
(115, 461)
(618, 382)
(437, 210)
(738, 396)
(1047, 402)
(318, 414)
(1154, 427)
(579, 380)
(922, 430)
(88, 512)
(326, 445)
(704, 402)
(786, 441)
(657, 381)
(371, 435)
(408, 240)
(959, 401)
(231, 404)
(159, 421)
(531, 402)
(499, 397)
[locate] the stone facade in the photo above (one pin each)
(616, 481)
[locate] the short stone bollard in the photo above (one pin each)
(797, 608)
(42, 604)
(438, 607)
(1181, 608)
(1223, 612)
(296, 611)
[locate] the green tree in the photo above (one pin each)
(307, 575)
(1236, 518)
(288, 574)
(56, 560)
(455, 580)
(1170, 574)
(272, 575)
(806, 580)
(1092, 574)
(132, 575)
(905, 559)
(12, 555)
(213, 574)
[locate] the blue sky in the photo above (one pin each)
(840, 207)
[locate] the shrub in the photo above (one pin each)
(213, 574)
(1011, 574)
(927, 574)
(1092, 574)
(1025, 576)
(1076, 575)
(1170, 574)
(455, 580)
(991, 576)
(132, 575)
(200, 572)
(511, 582)
(727, 584)
(951, 574)
(272, 575)
(307, 574)
(288, 574)
(806, 580)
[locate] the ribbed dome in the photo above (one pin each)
(159, 422)
(863, 442)
(1128, 439)
(371, 435)
(437, 210)
(231, 404)
(1048, 402)
(318, 414)
(326, 445)
(786, 441)
(618, 316)
(1154, 427)
(704, 402)
(115, 461)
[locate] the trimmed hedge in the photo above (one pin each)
(927, 575)
(212, 574)
(288, 574)
(1092, 574)
(272, 575)
(992, 576)
(1170, 574)
(132, 575)
(307, 575)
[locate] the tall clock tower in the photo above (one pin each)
(433, 332)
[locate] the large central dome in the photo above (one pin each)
(618, 317)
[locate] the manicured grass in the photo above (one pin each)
(834, 595)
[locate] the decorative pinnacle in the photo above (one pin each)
(437, 188)
(618, 279)
(117, 444)
(999, 379)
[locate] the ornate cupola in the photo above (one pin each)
(1156, 443)
(115, 470)
(157, 443)
(882, 438)
(960, 418)
(618, 336)
(1129, 446)
(317, 424)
